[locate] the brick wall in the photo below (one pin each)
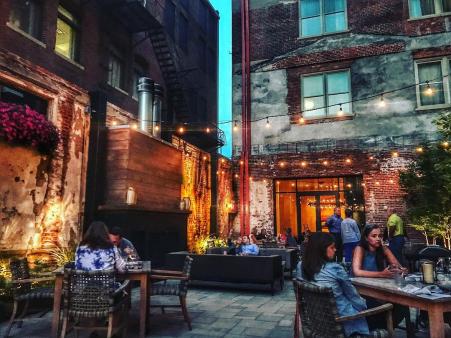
(274, 30)
(380, 172)
(43, 197)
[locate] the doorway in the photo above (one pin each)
(306, 204)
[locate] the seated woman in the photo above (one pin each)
(249, 249)
(318, 266)
(97, 252)
(372, 259)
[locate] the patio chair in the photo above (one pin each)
(316, 307)
(173, 283)
(91, 297)
(25, 289)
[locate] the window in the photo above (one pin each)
(202, 16)
(116, 70)
(322, 94)
(67, 34)
(322, 16)
(15, 95)
(27, 16)
(169, 18)
(419, 8)
(434, 86)
(183, 32)
(202, 54)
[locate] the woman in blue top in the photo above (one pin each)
(373, 259)
(318, 267)
(97, 252)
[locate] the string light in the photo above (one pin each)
(207, 130)
(419, 149)
(235, 126)
(157, 128)
(114, 123)
(428, 90)
(348, 160)
(241, 162)
(301, 120)
(236, 175)
(222, 160)
(268, 125)
(382, 101)
(135, 126)
(303, 164)
(325, 162)
(395, 154)
(282, 164)
(445, 144)
(204, 158)
(181, 130)
(340, 111)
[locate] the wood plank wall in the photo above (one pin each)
(152, 167)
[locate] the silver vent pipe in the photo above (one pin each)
(158, 95)
(145, 103)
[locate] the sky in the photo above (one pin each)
(224, 7)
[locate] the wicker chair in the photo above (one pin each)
(316, 307)
(93, 296)
(24, 290)
(173, 283)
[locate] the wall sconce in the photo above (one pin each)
(185, 203)
(131, 197)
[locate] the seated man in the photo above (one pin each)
(248, 249)
(124, 246)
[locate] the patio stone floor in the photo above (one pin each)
(215, 312)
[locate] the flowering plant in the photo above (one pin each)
(23, 125)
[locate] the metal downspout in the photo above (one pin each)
(245, 120)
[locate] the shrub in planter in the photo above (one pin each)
(24, 126)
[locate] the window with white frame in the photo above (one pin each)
(27, 16)
(433, 82)
(326, 95)
(420, 8)
(317, 17)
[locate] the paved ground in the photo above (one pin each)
(214, 312)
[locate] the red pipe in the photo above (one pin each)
(246, 120)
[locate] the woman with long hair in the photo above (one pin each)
(319, 267)
(97, 252)
(371, 258)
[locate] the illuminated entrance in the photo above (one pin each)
(303, 204)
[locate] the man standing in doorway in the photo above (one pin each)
(333, 223)
(396, 235)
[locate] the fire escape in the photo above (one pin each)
(147, 17)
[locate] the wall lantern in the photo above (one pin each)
(131, 197)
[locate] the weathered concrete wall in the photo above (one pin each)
(262, 207)
(42, 199)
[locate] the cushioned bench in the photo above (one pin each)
(231, 269)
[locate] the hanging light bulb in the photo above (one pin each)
(419, 149)
(428, 90)
(204, 158)
(268, 125)
(135, 126)
(445, 144)
(235, 126)
(181, 130)
(157, 128)
(301, 120)
(395, 154)
(382, 101)
(207, 130)
(340, 111)
(114, 123)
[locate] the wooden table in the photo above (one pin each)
(386, 290)
(142, 275)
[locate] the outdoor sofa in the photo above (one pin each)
(250, 270)
(290, 256)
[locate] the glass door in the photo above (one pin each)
(308, 212)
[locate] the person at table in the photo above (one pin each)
(350, 235)
(319, 267)
(124, 246)
(371, 258)
(262, 235)
(96, 251)
(333, 223)
(396, 234)
(248, 249)
(234, 248)
(374, 260)
(291, 241)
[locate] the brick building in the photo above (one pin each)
(342, 95)
(77, 63)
